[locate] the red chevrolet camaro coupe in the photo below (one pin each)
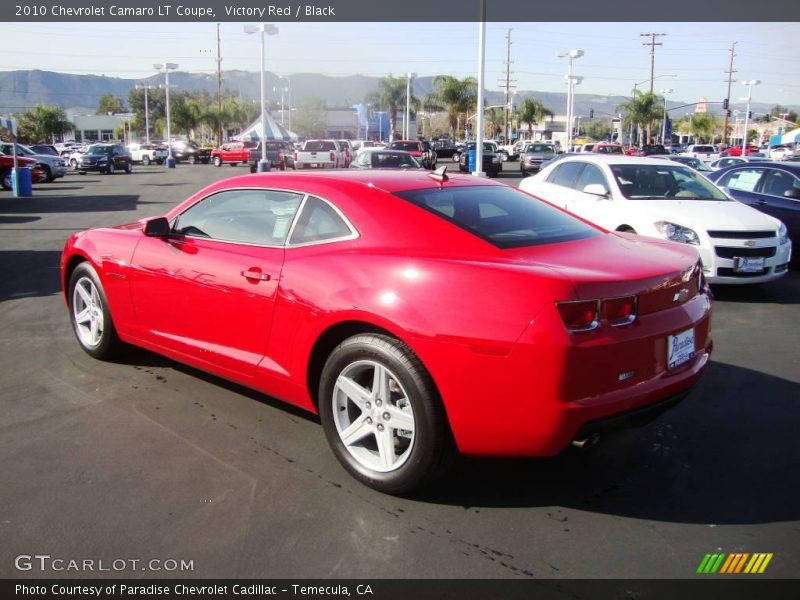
(418, 314)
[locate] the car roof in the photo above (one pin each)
(387, 181)
(792, 167)
(616, 159)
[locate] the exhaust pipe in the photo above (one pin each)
(586, 442)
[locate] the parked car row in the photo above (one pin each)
(52, 166)
(38, 174)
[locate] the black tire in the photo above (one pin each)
(283, 166)
(626, 229)
(5, 180)
(128, 168)
(192, 159)
(432, 448)
(253, 168)
(109, 343)
(146, 160)
(234, 164)
(49, 177)
(73, 163)
(111, 169)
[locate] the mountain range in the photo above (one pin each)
(23, 89)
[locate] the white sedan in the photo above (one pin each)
(737, 244)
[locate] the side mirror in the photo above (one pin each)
(792, 193)
(596, 189)
(158, 227)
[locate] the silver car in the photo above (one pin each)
(53, 166)
(535, 154)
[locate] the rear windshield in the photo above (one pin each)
(407, 146)
(541, 148)
(609, 149)
(392, 160)
(503, 216)
(708, 149)
(319, 146)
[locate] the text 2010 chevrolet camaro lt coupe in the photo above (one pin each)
(417, 314)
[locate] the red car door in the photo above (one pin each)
(208, 290)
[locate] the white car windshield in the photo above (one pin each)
(656, 182)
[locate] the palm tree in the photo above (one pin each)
(495, 118)
(455, 96)
(704, 125)
(642, 110)
(43, 122)
(532, 112)
(391, 95)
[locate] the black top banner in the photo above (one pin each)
(400, 11)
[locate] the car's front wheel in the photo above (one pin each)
(382, 415)
(145, 160)
(192, 159)
(111, 169)
(89, 314)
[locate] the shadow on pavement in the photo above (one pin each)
(727, 455)
(10, 220)
(29, 273)
(69, 204)
(785, 290)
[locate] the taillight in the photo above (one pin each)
(280, 155)
(620, 311)
(333, 156)
(295, 155)
(580, 315)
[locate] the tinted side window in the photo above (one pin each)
(777, 183)
(744, 180)
(565, 174)
(249, 216)
(590, 174)
(318, 222)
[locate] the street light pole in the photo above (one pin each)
(146, 86)
(745, 143)
(664, 124)
(263, 29)
(571, 55)
(481, 71)
(407, 119)
(166, 68)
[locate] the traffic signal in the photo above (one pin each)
(591, 113)
(750, 116)
(725, 104)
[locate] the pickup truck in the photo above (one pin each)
(232, 153)
(705, 152)
(319, 154)
(147, 153)
(279, 155)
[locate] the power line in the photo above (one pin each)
(507, 87)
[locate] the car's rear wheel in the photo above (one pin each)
(129, 167)
(217, 161)
(5, 180)
(48, 174)
(191, 160)
(145, 160)
(382, 415)
(89, 314)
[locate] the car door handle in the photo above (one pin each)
(255, 274)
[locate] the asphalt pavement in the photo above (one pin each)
(148, 459)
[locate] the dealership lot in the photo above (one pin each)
(147, 459)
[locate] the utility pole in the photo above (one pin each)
(652, 43)
(219, 90)
(729, 81)
(507, 87)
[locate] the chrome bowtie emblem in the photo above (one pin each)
(749, 243)
(680, 295)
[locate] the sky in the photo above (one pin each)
(614, 59)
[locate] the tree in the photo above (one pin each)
(596, 129)
(455, 96)
(109, 103)
(495, 120)
(642, 110)
(308, 119)
(532, 112)
(391, 96)
(42, 123)
(704, 126)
